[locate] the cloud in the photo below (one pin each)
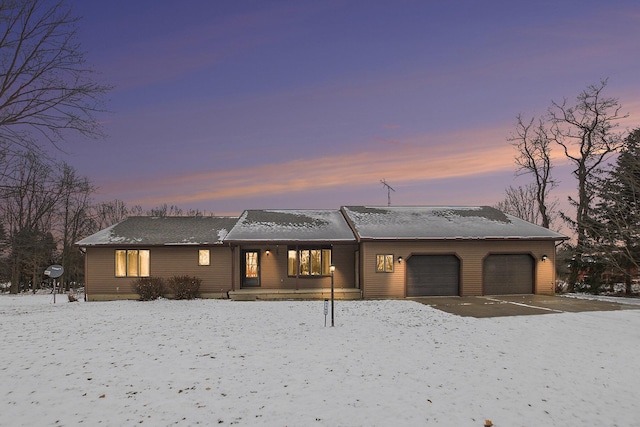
(421, 158)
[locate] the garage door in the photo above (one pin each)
(429, 275)
(508, 274)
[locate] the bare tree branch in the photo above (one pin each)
(45, 87)
(533, 146)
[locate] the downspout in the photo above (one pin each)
(233, 267)
(84, 253)
(360, 249)
(297, 266)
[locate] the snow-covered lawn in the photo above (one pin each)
(386, 363)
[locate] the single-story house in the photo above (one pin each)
(367, 252)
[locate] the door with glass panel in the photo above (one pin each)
(250, 269)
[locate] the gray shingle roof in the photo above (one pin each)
(141, 230)
(381, 223)
(291, 226)
(427, 222)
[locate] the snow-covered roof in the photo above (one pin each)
(427, 222)
(291, 226)
(146, 230)
(323, 225)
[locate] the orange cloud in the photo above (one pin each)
(421, 158)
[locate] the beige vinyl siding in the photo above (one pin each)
(102, 283)
(471, 255)
(382, 285)
(546, 274)
(273, 268)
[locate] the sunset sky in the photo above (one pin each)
(232, 105)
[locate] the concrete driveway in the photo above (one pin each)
(518, 305)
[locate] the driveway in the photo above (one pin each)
(518, 305)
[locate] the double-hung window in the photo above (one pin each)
(132, 263)
(309, 262)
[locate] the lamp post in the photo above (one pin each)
(332, 268)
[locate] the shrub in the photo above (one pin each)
(184, 287)
(149, 288)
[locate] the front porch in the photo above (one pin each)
(258, 294)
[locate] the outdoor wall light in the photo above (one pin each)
(267, 252)
(332, 268)
(399, 260)
(544, 258)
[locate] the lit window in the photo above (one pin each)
(132, 263)
(204, 257)
(384, 263)
(251, 264)
(292, 261)
(309, 262)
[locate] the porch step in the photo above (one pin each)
(292, 294)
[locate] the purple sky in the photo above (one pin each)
(232, 105)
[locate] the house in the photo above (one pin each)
(376, 252)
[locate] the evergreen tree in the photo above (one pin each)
(615, 228)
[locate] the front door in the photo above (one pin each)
(251, 269)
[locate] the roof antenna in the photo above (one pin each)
(389, 190)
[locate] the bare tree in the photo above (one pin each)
(165, 210)
(74, 219)
(522, 202)
(586, 131)
(533, 146)
(45, 206)
(28, 201)
(108, 213)
(137, 210)
(45, 87)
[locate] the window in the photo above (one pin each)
(309, 262)
(384, 263)
(132, 263)
(251, 264)
(204, 257)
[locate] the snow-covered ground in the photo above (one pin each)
(386, 363)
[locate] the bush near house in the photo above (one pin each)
(184, 287)
(149, 288)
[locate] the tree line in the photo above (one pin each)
(605, 161)
(45, 207)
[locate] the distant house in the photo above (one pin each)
(376, 252)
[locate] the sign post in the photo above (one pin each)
(54, 271)
(326, 311)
